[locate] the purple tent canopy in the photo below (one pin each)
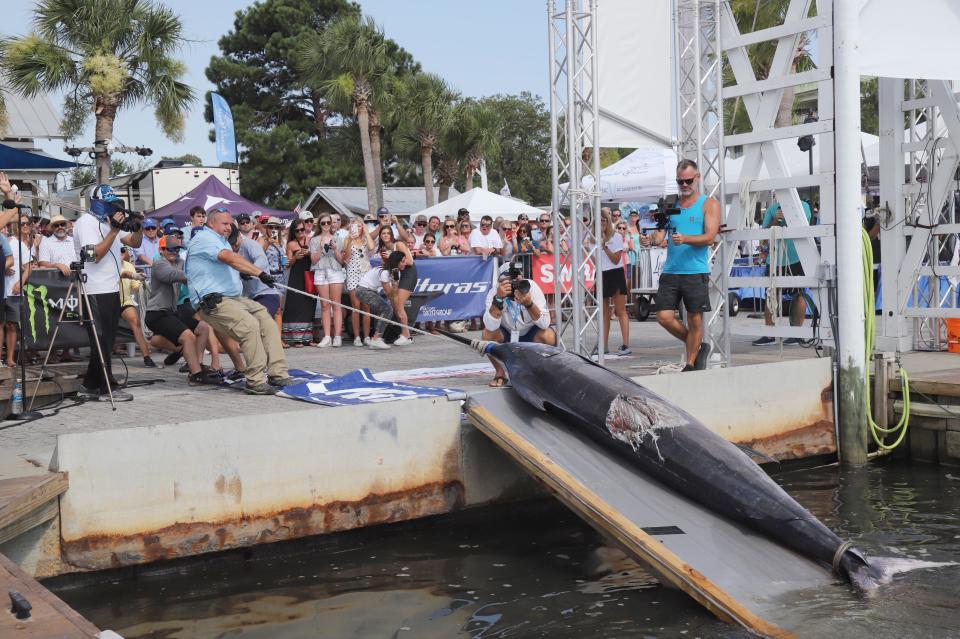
(212, 193)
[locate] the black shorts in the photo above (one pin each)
(791, 270)
(408, 278)
(186, 314)
(693, 290)
(614, 281)
(166, 324)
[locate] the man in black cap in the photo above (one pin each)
(245, 222)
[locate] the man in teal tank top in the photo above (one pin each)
(686, 273)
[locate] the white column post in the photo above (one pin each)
(849, 202)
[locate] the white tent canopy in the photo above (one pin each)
(481, 202)
(643, 176)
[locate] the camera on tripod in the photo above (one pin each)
(88, 253)
(666, 208)
(517, 281)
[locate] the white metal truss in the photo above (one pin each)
(919, 217)
(761, 100)
(574, 137)
(699, 79)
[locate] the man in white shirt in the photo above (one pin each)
(484, 241)
(58, 250)
(150, 247)
(515, 315)
(419, 230)
(98, 228)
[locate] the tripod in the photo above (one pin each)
(77, 280)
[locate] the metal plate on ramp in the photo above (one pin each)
(734, 572)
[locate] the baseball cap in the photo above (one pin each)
(167, 221)
(150, 223)
(463, 211)
(163, 244)
(306, 215)
(243, 217)
(263, 218)
(421, 218)
(369, 217)
(383, 211)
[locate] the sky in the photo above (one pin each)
(494, 46)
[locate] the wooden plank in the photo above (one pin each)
(944, 382)
(51, 618)
(34, 518)
(20, 496)
(621, 502)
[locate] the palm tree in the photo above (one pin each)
(348, 63)
(105, 55)
(480, 129)
(424, 108)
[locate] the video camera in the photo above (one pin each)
(88, 253)
(517, 281)
(104, 204)
(665, 208)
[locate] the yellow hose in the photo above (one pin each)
(878, 432)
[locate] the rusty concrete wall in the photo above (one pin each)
(143, 494)
(782, 409)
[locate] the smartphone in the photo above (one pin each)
(509, 234)
(256, 235)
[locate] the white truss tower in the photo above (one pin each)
(703, 28)
(574, 136)
(919, 216)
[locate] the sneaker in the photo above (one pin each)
(337, 342)
(366, 341)
(205, 376)
(280, 382)
(118, 396)
(260, 389)
(172, 358)
(235, 376)
(148, 362)
(688, 368)
(793, 341)
(87, 393)
(703, 355)
(325, 343)
(764, 341)
(624, 350)
(358, 342)
(377, 344)
(402, 341)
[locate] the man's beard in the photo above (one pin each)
(60, 234)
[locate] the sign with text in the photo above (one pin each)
(459, 283)
(542, 273)
(44, 297)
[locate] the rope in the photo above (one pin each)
(773, 258)
(838, 556)
(878, 432)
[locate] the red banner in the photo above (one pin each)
(542, 273)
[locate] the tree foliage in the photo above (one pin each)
(523, 157)
(106, 55)
(81, 175)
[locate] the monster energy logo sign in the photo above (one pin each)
(41, 291)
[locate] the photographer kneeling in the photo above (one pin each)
(516, 312)
(213, 270)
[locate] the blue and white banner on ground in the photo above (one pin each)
(358, 387)
(462, 281)
(223, 127)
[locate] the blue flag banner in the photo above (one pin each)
(223, 126)
(461, 281)
(358, 387)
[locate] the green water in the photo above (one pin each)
(532, 570)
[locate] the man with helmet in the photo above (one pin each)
(99, 228)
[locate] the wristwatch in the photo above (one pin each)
(498, 302)
(527, 306)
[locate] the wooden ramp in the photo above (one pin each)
(29, 501)
(741, 577)
(50, 617)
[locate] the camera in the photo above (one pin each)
(517, 281)
(395, 274)
(87, 253)
(666, 208)
(327, 247)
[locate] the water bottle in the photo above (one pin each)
(16, 402)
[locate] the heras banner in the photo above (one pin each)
(462, 283)
(223, 126)
(43, 298)
(542, 273)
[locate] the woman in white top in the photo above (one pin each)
(356, 250)
(328, 276)
(386, 277)
(614, 282)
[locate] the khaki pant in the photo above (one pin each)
(249, 323)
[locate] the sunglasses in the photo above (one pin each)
(384, 215)
(60, 225)
(300, 231)
(485, 226)
(429, 241)
(242, 221)
(621, 228)
(686, 182)
(449, 226)
(421, 223)
(325, 222)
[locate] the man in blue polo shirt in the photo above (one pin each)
(213, 270)
(686, 273)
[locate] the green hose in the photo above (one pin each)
(878, 432)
